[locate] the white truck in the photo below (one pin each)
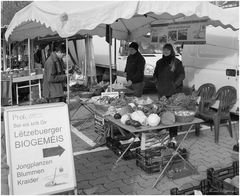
(215, 62)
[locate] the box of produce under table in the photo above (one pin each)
(154, 159)
(119, 144)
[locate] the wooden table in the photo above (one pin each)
(25, 79)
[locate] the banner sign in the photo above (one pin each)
(178, 33)
(39, 149)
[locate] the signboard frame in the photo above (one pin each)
(8, 144)
(191, 32)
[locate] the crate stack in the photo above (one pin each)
(154, 159)
(119, 140)
(216, 182)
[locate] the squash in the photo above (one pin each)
(168, 118)
(153, 120)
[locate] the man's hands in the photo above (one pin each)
(129, 83)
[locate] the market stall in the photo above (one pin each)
(124, 20)
(128, 20)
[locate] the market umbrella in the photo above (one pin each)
(128, 19)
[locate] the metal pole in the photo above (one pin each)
(10, 56)
(29, 71)
(115, 53)
(68, 99)
(110, 65)
(4, 56)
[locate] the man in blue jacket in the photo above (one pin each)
(54, 77)
(135, 70)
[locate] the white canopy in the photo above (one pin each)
(127, 18)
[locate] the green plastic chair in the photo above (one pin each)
(206, 92)
(227, 97)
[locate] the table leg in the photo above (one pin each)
(86, 107)
(17, 93)
(174, 153)
(116, 163)
(39, 88)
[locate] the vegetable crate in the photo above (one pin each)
(119, 145)
(152, 160)
(214, 184)
(205, 187)
(217, 178)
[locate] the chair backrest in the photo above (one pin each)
(206, 92)
(227, 96)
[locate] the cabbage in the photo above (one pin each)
(124, 118)
(153, 120)
(139, 116)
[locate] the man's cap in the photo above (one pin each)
(134, 45)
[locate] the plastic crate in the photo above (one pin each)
(118, 148)
(151, 160)
(205, 187)
(217, 178)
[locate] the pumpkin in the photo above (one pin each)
(153, 120)
(168, 118)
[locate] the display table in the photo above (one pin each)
(18, 80)
(138, 131)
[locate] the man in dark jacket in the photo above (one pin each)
(135, 70)
(54, 76)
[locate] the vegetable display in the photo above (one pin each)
(138, 112)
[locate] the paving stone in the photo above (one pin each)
(126, 190)
(165, 192)
(88, 176)
(202, 168)
(115, 176)
(147, 176)
(101, 173)
(138, 189)
(114, 191)
(132, 174)
(101, 190)
(150, 191)
(146, 183)
(181, 181)
(83, 185)
(104, 167)
(114, 184)
(129, 181)
(98, 181)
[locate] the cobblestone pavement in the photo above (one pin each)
(94, 169)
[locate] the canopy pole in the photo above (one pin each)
(115, 53)
(10, 56)
(4, 56)
(68, 99)
(110, 65)
(29, 71)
